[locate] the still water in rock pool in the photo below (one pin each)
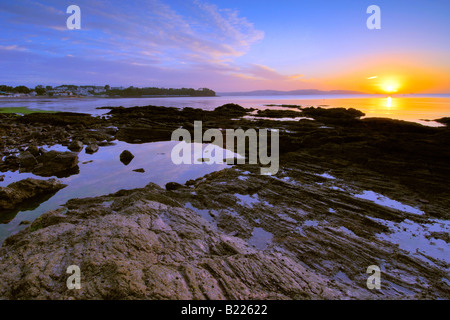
(103, 173)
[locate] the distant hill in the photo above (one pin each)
(285, 93)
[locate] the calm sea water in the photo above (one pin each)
(405, 107)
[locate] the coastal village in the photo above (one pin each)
(99, 91)
(59, 91)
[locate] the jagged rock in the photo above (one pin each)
(173, 186)
(27, 160)
(75, 146)
(231, 109)
(54, 163)
(234, 224)
(333, 115)
(18, 192)
(92, 148)
(111, 130)
(12, 161)
(145, 249)
(59, 118)
(278, 113)
(89, 141)
(34, 150)
(445, 120)
(126, 157)
(93, 136)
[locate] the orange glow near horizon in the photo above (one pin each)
(389, 74)
(402, 82)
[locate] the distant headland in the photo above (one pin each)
(285, 93)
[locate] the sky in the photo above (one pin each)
(232, 45)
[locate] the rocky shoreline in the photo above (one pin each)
(308, 232)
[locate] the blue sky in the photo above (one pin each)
(228, 45)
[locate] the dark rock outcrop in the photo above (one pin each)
(27, 160)
(231, 109)
(24, 190)
(126, 157)
(34, 150)
(92, 148)
(173, 186)
(75, 146)
(444, 120)
(56, 163)
(60, 118)
(333, 115)
(278, 113)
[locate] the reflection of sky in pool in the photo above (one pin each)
(386, 202)
(417, 238)
(106, 174)
(260, 238)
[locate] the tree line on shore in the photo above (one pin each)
(40, 90)
(133, 91)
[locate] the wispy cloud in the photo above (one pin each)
(144, 39)
(262, 72)
(150, 27)
(13, 47)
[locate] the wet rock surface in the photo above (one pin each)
(26, 193)
(75, 146)
(92, 148)
(27, 160)
(54, 163)
(173, 186)
(346, 193)
(145, 245)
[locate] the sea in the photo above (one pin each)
(417, 108)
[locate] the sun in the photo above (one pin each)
(386, 84)
(390, 86)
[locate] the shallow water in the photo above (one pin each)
(260, 238)
(247, 200)
(403, 107)
(387, 202)
(102, 173)
(416, 238)
(204, 213)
